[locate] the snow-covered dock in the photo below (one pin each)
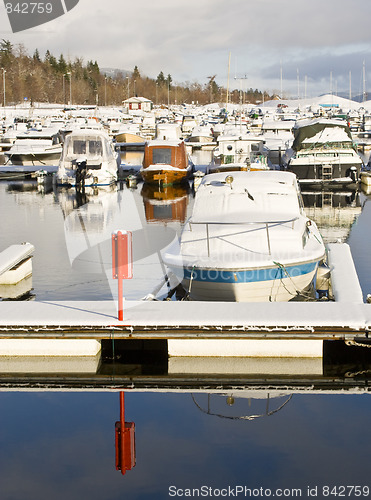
(303, 325)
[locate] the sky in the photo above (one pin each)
(300, 47)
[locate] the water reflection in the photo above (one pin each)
(334, 212)
(213, 405)
(58, 415)
(124, 440)
(91, 217)
(165, 203)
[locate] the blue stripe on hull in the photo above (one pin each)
(248, 276)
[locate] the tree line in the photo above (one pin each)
(47, 78)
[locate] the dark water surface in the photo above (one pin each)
(61, 444)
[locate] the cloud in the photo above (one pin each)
(191, 39)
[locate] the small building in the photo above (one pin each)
(138, 104)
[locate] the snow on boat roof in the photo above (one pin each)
(14, 254)
(88, 132)
(247, 197)
(166, 143)
(334, 122)
(333, 134)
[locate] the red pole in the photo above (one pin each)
(122, 264)
(120, 258)
(121, 300)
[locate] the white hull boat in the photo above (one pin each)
(239, 152)
(88, 159)
(248, 239)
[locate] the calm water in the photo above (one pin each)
(61, 444)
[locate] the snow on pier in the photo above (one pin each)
(219, 322)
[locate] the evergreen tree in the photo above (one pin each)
(36, 56)
(6, 53)
(168, 81)
(62, 65)
(136, 73)
(160, 79)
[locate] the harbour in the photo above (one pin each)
(142, 375)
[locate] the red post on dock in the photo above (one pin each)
(122, 264)
(124, 440)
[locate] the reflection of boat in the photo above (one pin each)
(230, 405)
(165, 203)
(235, 152)
(323, 154)
(165, 162)
(92, 216)
(334, 212)
(366, 179)
(88, 158)
(248, 239)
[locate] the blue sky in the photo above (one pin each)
(317, 46)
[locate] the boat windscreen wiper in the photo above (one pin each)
(249, 195)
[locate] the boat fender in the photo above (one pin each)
(353, 174)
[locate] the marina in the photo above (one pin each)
(174, 373)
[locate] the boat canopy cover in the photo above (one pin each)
(308, 129)
(247, 197)
(92, 144)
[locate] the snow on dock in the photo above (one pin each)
(189, 324)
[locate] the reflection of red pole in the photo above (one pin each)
(122, 264)
(125, 440)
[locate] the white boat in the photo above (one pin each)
(239, 152)
(16, 271)
(323, 154)
(248, 239)
(36, 147)
(88, 158)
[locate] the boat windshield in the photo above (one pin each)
(161, 155)
(90, 147)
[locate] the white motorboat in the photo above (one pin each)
(36, 147)
(88, 158)
(248, 239)
(323, 154)
(239, 152)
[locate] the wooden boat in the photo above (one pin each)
(165, 162)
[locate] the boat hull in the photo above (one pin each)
(30, 159)
(320, 174)
(273, 284)
(164, 177)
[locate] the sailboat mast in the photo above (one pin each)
(229, 68)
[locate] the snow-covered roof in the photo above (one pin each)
(244, 197)
(335, 134)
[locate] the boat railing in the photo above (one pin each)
(265, 225)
